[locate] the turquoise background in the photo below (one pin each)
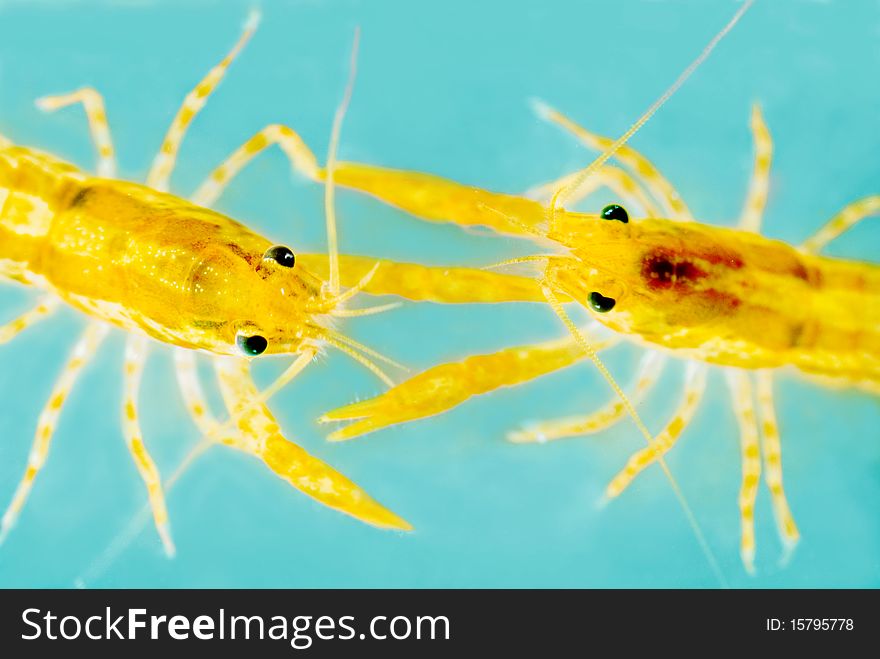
(444, 87)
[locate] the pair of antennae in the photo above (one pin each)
(357, 351)
(559, 196)
(329, 184)
(329, 202)
(562, 193)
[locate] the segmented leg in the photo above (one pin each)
(445, 386)
(756, 199)
(197, 405)
(590, 352)
(82, 353)
(694, 387)
(649, 370)
(135, 358)
(192, 392)
(30, 317)
(772, 450)
(93, 104)
(620, 182)
(424, 195)
(213, 432)
(645, 170)
(845, 219)
(163, 164)
(261, 437)
(301, 159)
(743, 406)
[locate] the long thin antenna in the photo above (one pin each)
(351, 343)
(591, 353)
(572, 184)
(359, 358)
(575, 182)
(329, 187)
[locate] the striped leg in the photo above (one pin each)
(845, 219)
(428, 197)
(772, 450)
(300, 156)
(756, 198)
(614, 178)
(82, 353)
(192, 392)
(135, 358)
(644, 169)
(694, 387)
(194, 399)
(163, 164)
(15, 326)
(743, 406)
(93, 104)
(649, 370)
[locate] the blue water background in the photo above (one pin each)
(444, 87)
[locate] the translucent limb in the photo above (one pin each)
(590, 351)
(14, 327)
(845, 219)
(135, 358)
(163, 164)
(756, 199)
(649, 370)
(694, 387)
(191, 390)
(426, 196)
(646, 172)
(93, 104)
(743, 406)
(772, 450)
(82, 353)
(301, 159)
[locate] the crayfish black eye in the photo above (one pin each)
(252, 345)
(615, 212)
(281, 255)
(600, 303)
